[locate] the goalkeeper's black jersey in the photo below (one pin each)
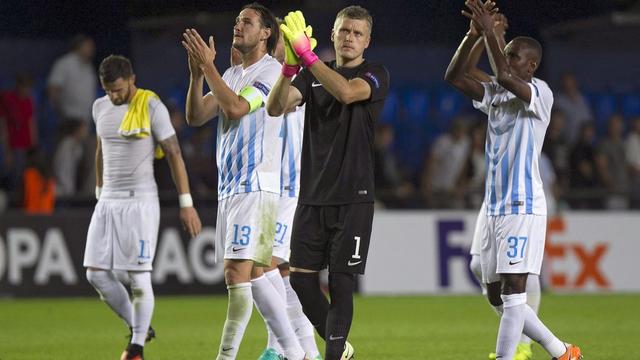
(338, 144)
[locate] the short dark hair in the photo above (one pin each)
(357, 13)
(267, 20)
(114, 67)
(532, 45)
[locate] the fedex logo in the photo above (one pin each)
(567, 265)
(449, 251)
(588, 258)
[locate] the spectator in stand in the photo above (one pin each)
(472, 179)
(38, 185)
(612, 164)
(200, 157)
(574, 105)
(632, 150)
(72, 87)
(73, 82)
(557, 150)
(391, 189)
(68, 157)
(444, 166)
(584, 181)
(17, 119)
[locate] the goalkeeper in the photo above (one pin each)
(332, 222)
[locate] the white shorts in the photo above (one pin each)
(284, 225)
(246, 224)
(480, 231)
(123, 232)
(514, 245)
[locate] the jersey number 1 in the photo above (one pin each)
(356, 254)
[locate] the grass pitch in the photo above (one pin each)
(434, 327)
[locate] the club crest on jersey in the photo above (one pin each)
(262, 87)
(373, 78)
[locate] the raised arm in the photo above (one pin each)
(345, 91)
(199, 109)
(188, 214)
(283, 97)
(501, 25)
(233, 105)
(481, 14)
(456, 73)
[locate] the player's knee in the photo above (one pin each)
(141, 284)
(341, 284)
(493, 294)
(122, 276)
(513, 283)
(284, 269)
(236, 272)
(96, 277)
(303, 281)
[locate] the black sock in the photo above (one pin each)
(314, 304)
(341, 287)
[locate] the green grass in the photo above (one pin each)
(436, 327)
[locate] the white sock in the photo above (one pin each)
(272, 309)
(537, 331)
(276, 280)
(112, 292)
(533, 300)
(143, 303)
(239, 311)
(122, 276)
(302, 326)
(511, 324)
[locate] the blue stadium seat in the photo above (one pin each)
(416, 104)
(604, 105)
(415, 125)
(630, 104)
(448, 103)
(390, 111)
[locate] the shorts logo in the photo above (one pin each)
(511, 262)
(354, 263)
(315, 84)
(235, 249)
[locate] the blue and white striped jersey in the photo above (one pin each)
(248, 150)
(292, 132)
(515, 134)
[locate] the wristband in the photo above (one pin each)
(98, 192)
(309, 58)
(289, 70)
(185, 200)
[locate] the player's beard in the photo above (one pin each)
(244, 47)
(124, 99)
